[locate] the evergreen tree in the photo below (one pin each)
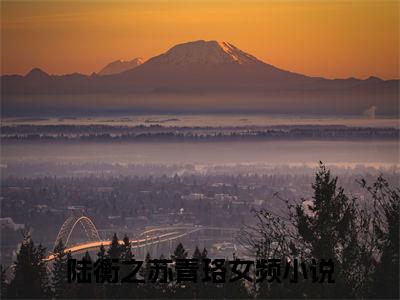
(88, 290)
(59, 272)
(327, 226)
(126, 249)
(115, 250)
(114, 253)
(145, 271)
(30, 276)
(102, 252)
(148, 289)
(197, 253)
(4, 285)
(101, 255)
(385, 280)
(180, 252)
(128, 290)
(71, 287)
(199, 289)
(178, 290)
(204, 254)
(44, 277)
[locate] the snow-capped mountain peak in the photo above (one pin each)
(236, 54)
(205, 53)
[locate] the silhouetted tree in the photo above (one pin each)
(180, 252)
(59, 273)
(178, 290)
(327, 226)
(88, 290)
(102, 252)
(3, 282)
(147, 289)
(197, 253)
(115, 250)
(204, 254)
(30, 276)
(200, 289)
(385, 280)
(128, 290)
(101, 255)
(113, 253)
(126, 249)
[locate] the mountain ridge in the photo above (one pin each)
(119, 66)
(207, 68)
(140, 61)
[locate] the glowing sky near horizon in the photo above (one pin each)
(319, 38)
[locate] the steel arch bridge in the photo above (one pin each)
(69, 225)
(147, 238)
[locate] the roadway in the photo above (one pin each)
(141, 242)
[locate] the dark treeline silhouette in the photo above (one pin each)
(361, 239)
(154, 134)
(31, 280)
(93, 129)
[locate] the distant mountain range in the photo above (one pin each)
(120, 66)
(205, 68)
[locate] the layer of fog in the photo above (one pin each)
(212, 120)
(271, 153)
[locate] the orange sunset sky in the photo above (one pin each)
(320, 38)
